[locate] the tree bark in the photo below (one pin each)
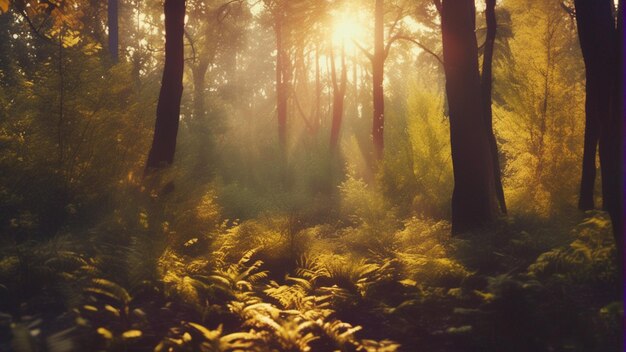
(601, 44)
(168, 108)
(199, 84)
(112, 19)
(318, 92)
(487, 81)
(473, 198)
(594, 30)
(590, 150)
(281, 86)
(618, 215)
(378, 74)
(339, 95)
(618, 101)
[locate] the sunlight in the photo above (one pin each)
(347, 27)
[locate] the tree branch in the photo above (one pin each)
(437, 4)
(301, 111)
(570, 10)
(365, 51)
(414, 41)
(32, 26)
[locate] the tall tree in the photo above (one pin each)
(473, 198)
(294, 23)
(378, 76)
(339, 95)
(168, 108)
(382, 47)
(282, 80)
(487, 82)
(112, 19)
(600, 41)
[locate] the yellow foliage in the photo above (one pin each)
(131, 334)
(540, 122)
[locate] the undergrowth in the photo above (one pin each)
(166, 279)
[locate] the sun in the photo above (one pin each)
(348, 27)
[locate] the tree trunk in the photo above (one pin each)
(378, 74)
(487, 79)
(601, 44)
(618, 116)
(318, 92)
(595, 29)
(617, 212)
(112, 19)
(339, 94)
(611, 138)
(168, 108)
(473, 199)
(281, 86)
(199, 73)
(592, 137)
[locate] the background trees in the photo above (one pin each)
(327, 81)
(290, 228)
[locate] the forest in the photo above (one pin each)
(311, 175)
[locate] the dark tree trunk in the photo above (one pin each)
(378, 74)
(618, 116)
(168, 108)
(611, 138)
(473, 199)
(595, 30)
(592, 137)
(487, 79)
(112, 19)
(339, 94)
(601, 46)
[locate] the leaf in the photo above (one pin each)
(112, 310)
(465, 329)
(108, 289)
(131, 334)
(408, 282)
(209, 335)
(104, 332)
(486, 296)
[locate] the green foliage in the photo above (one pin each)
(243, 245)
(55, 149)
(417, 170)
(589, 257)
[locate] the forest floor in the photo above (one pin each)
(136, 282)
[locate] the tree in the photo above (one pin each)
(294, 23)
(537, 102)
(283, 78)
(168, 108)
(378, 77)
(601, 45)
(382, 46)
(112, 20)
(473, 195)
(486, 83)
(339, 94)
